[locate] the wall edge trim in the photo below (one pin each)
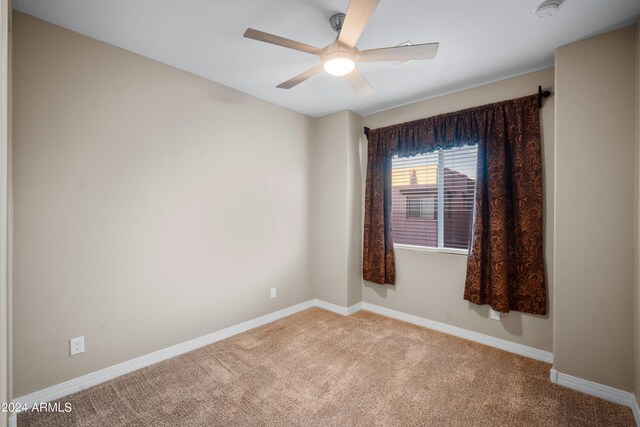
(345, 311)
(94, 378)
(636, 411)
(97, 377)
(602, 391)
(520, 349)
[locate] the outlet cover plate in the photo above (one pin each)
(273, 293)
(495, 315)
(76, 346)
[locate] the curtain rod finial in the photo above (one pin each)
(542, 94)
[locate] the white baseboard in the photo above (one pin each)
(354, 308)
(598, 390)
(522, 350)
(94, 378)
(345, 311)
(636, 411)
(331, 307)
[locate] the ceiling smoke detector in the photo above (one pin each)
(547, 8)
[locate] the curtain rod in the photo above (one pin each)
(542, 93)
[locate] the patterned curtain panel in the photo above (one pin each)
(505, 266)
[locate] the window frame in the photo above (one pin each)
(438, 216)
(449, 251)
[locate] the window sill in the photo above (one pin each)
(449, 251)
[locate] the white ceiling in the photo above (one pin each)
(480, 41)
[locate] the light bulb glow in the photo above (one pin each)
(339, 62)
(339, 66)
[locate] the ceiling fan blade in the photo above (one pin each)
(280, 41)
(359, 84)
(301, 77)
(356, 19)
(400, 53)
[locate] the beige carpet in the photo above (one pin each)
(319, 368)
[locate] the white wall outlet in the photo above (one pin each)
(76, 346)
(495, 315)
(273, 293)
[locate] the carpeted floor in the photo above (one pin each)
(319, 368)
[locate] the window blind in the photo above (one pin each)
(433, 197)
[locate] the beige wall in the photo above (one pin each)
(151, 206)
(637, 221)
(328, 208)
(431, 284)
(336, 209)
(5, 301)
(354, 210)
(595, 133)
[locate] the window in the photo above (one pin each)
(421, 207)
(432, 198)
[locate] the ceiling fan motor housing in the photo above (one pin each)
(336, 21)
(338, 49)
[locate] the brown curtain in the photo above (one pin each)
(505, 266)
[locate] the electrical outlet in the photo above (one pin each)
(495, 315)
(76, 346)
(273, 293)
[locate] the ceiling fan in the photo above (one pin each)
(339, 58)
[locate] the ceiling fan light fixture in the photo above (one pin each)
(339, 58)
(339, 63)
